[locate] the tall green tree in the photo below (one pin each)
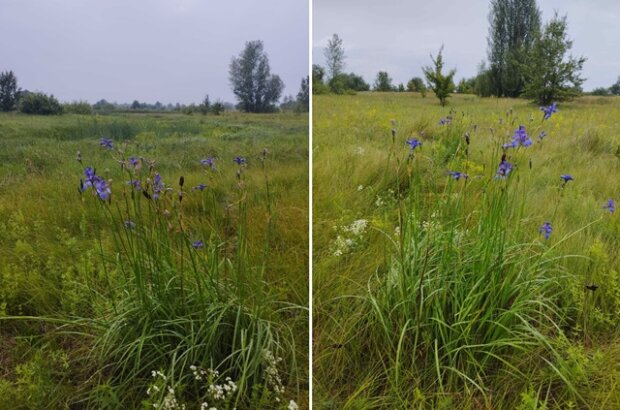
(615, 88)
(334, 56)
(513, 28)
(318, 80)
(551, 74)
(256, 89)
(9, 92)
(383, 82)
(441, 84)
(303, 96)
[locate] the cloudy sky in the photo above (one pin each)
(149, 50)
(397, 36)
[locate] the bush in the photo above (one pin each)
(39, 104)
(78, 107)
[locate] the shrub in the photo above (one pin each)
(38, 103)
(78, 107)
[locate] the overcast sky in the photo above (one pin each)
(149, 50)
(397, 36)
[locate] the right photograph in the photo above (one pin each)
(466, 160)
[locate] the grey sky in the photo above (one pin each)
(166, 50)
(397, 36)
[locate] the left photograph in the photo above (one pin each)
(154, 196)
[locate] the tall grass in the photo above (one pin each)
(452, 298)
(121, 289)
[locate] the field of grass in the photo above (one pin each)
(436, 290)
(128, 284)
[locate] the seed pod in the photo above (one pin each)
(181, 181)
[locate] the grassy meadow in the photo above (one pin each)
(154, 261)
(495, 290)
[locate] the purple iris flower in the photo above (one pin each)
(445, 121)
(209, 162)
(198, 244)
(103, 189)
(458, 175)
(566, 178)
(546, 228)
(106, 143)
(158, 185)
(135, 184)
(135, 162)
(549, 110)
(610, 206)
(520, 137)
(129, 224)
(239, 160)
(503, 170)
(542, 135)
(200, 187)
(414, 143)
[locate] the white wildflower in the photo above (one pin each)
(292, 405)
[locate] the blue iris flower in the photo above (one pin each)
(546, 228)
(106, 143)
(209, 162)
(503, 170)
(414, 143)
(549, 110)
(520, 137)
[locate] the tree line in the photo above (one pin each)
(256, 89)
(524, 59)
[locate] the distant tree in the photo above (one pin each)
(615, 88)
(9, 92)
(303, 96)
(103, 106)
(383, 82)
(552, 75)
(513, 29)
(256, 89)
(466, 86)
(205, 107)
(348, 83)
(334, 56)
(135, 105)
(39, 104)
(218, 108)
(401, 88)
(416, 84)
(78, 107)
(318, 80)
(441, 84)
(601, 91)
(288, 104)
(483, 86)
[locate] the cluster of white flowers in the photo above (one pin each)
(170, 402)
(292, 405)
(272, 376)
(222, 391)
(360, 151)
(202, 374)
(357, 227)
(342, 245)
(205, 406)
(345, 242)
(379, 202)
(432, 224)
(360, 187)
(387, 199)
